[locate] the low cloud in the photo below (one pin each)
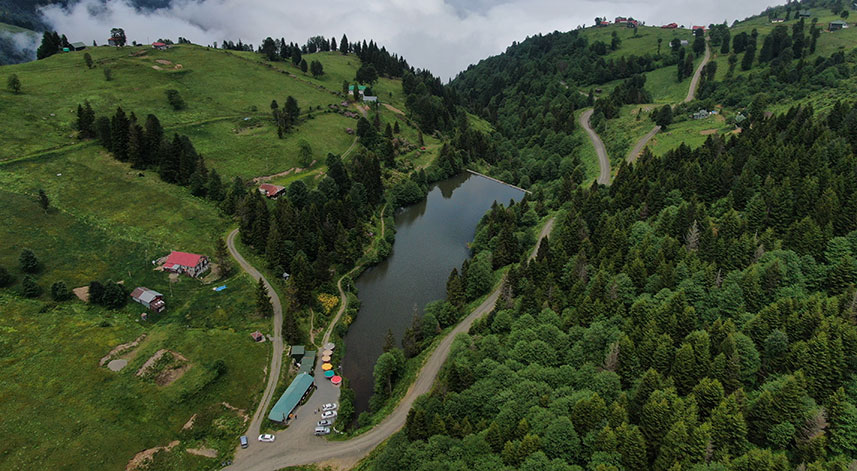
(444, 36)
(17, 47)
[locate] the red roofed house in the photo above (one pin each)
(159, 46)
(698, 27)
(271, 191)
(670, 26)
(190, 263)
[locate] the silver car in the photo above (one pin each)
(331, 414)
(322, 431)
(325, 423)
(329, 406)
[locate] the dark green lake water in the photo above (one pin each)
(431, 240)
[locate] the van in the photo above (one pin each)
(322, 431)
(244, 442)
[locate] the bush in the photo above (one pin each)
(108, 74)
(60, 292)
(175, 99)
(30, 288)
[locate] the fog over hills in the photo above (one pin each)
(444, 36)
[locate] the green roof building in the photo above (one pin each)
(297, 352)
(291, 398)
(308, 362)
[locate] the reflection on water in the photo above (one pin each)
(431, 240)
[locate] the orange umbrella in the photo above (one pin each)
(326, 366)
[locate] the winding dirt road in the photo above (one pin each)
(603, 159)
(638, 147)
(304, 448)
(694, 82)
(691, 94)
(277, 357)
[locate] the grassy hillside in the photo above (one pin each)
(107, 221)
(222, 90)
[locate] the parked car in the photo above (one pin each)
(267, 437)
(329, 406)
(325, 423)
(328, 414)
(244, 442)
(322, 431)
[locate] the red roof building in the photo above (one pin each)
(160, 46)
(698, 27)
(183, 262)
(670, 26)
(271, 191)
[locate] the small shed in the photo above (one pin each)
(685, 42)
(837, 25)
(804, 14)
(257, 336)
(271, 191)
(297, 353)
(370, 99)
(150, 298)
(78, 46)
(308, 362)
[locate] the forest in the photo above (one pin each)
(698, 314)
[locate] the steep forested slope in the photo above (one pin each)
(698, 314)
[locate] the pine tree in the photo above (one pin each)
(6, 278)
(29, 287)
(291, 332)
(60, 292)
(29, 262)
(44, 202)
(263, 302)
(222, 258)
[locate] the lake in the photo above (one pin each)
(431, 240)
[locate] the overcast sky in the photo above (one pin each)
(444, 36)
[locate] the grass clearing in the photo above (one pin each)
(645, 42)
(690, 132)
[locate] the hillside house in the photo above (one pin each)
(271, 191)
(701, 114)
(837, 25)
(150, 298)
(698, 27)
(159, 46)
(191, 264)
(114, 42)
(78, 46)
(670, 26)
(804, 14)
(370, 99)
(632, 24)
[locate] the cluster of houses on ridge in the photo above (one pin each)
(632, 23)
(804, 14)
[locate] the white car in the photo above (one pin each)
(328, 414)
(319, 431)
(329, 406)
(267, 437)
(325, 423)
